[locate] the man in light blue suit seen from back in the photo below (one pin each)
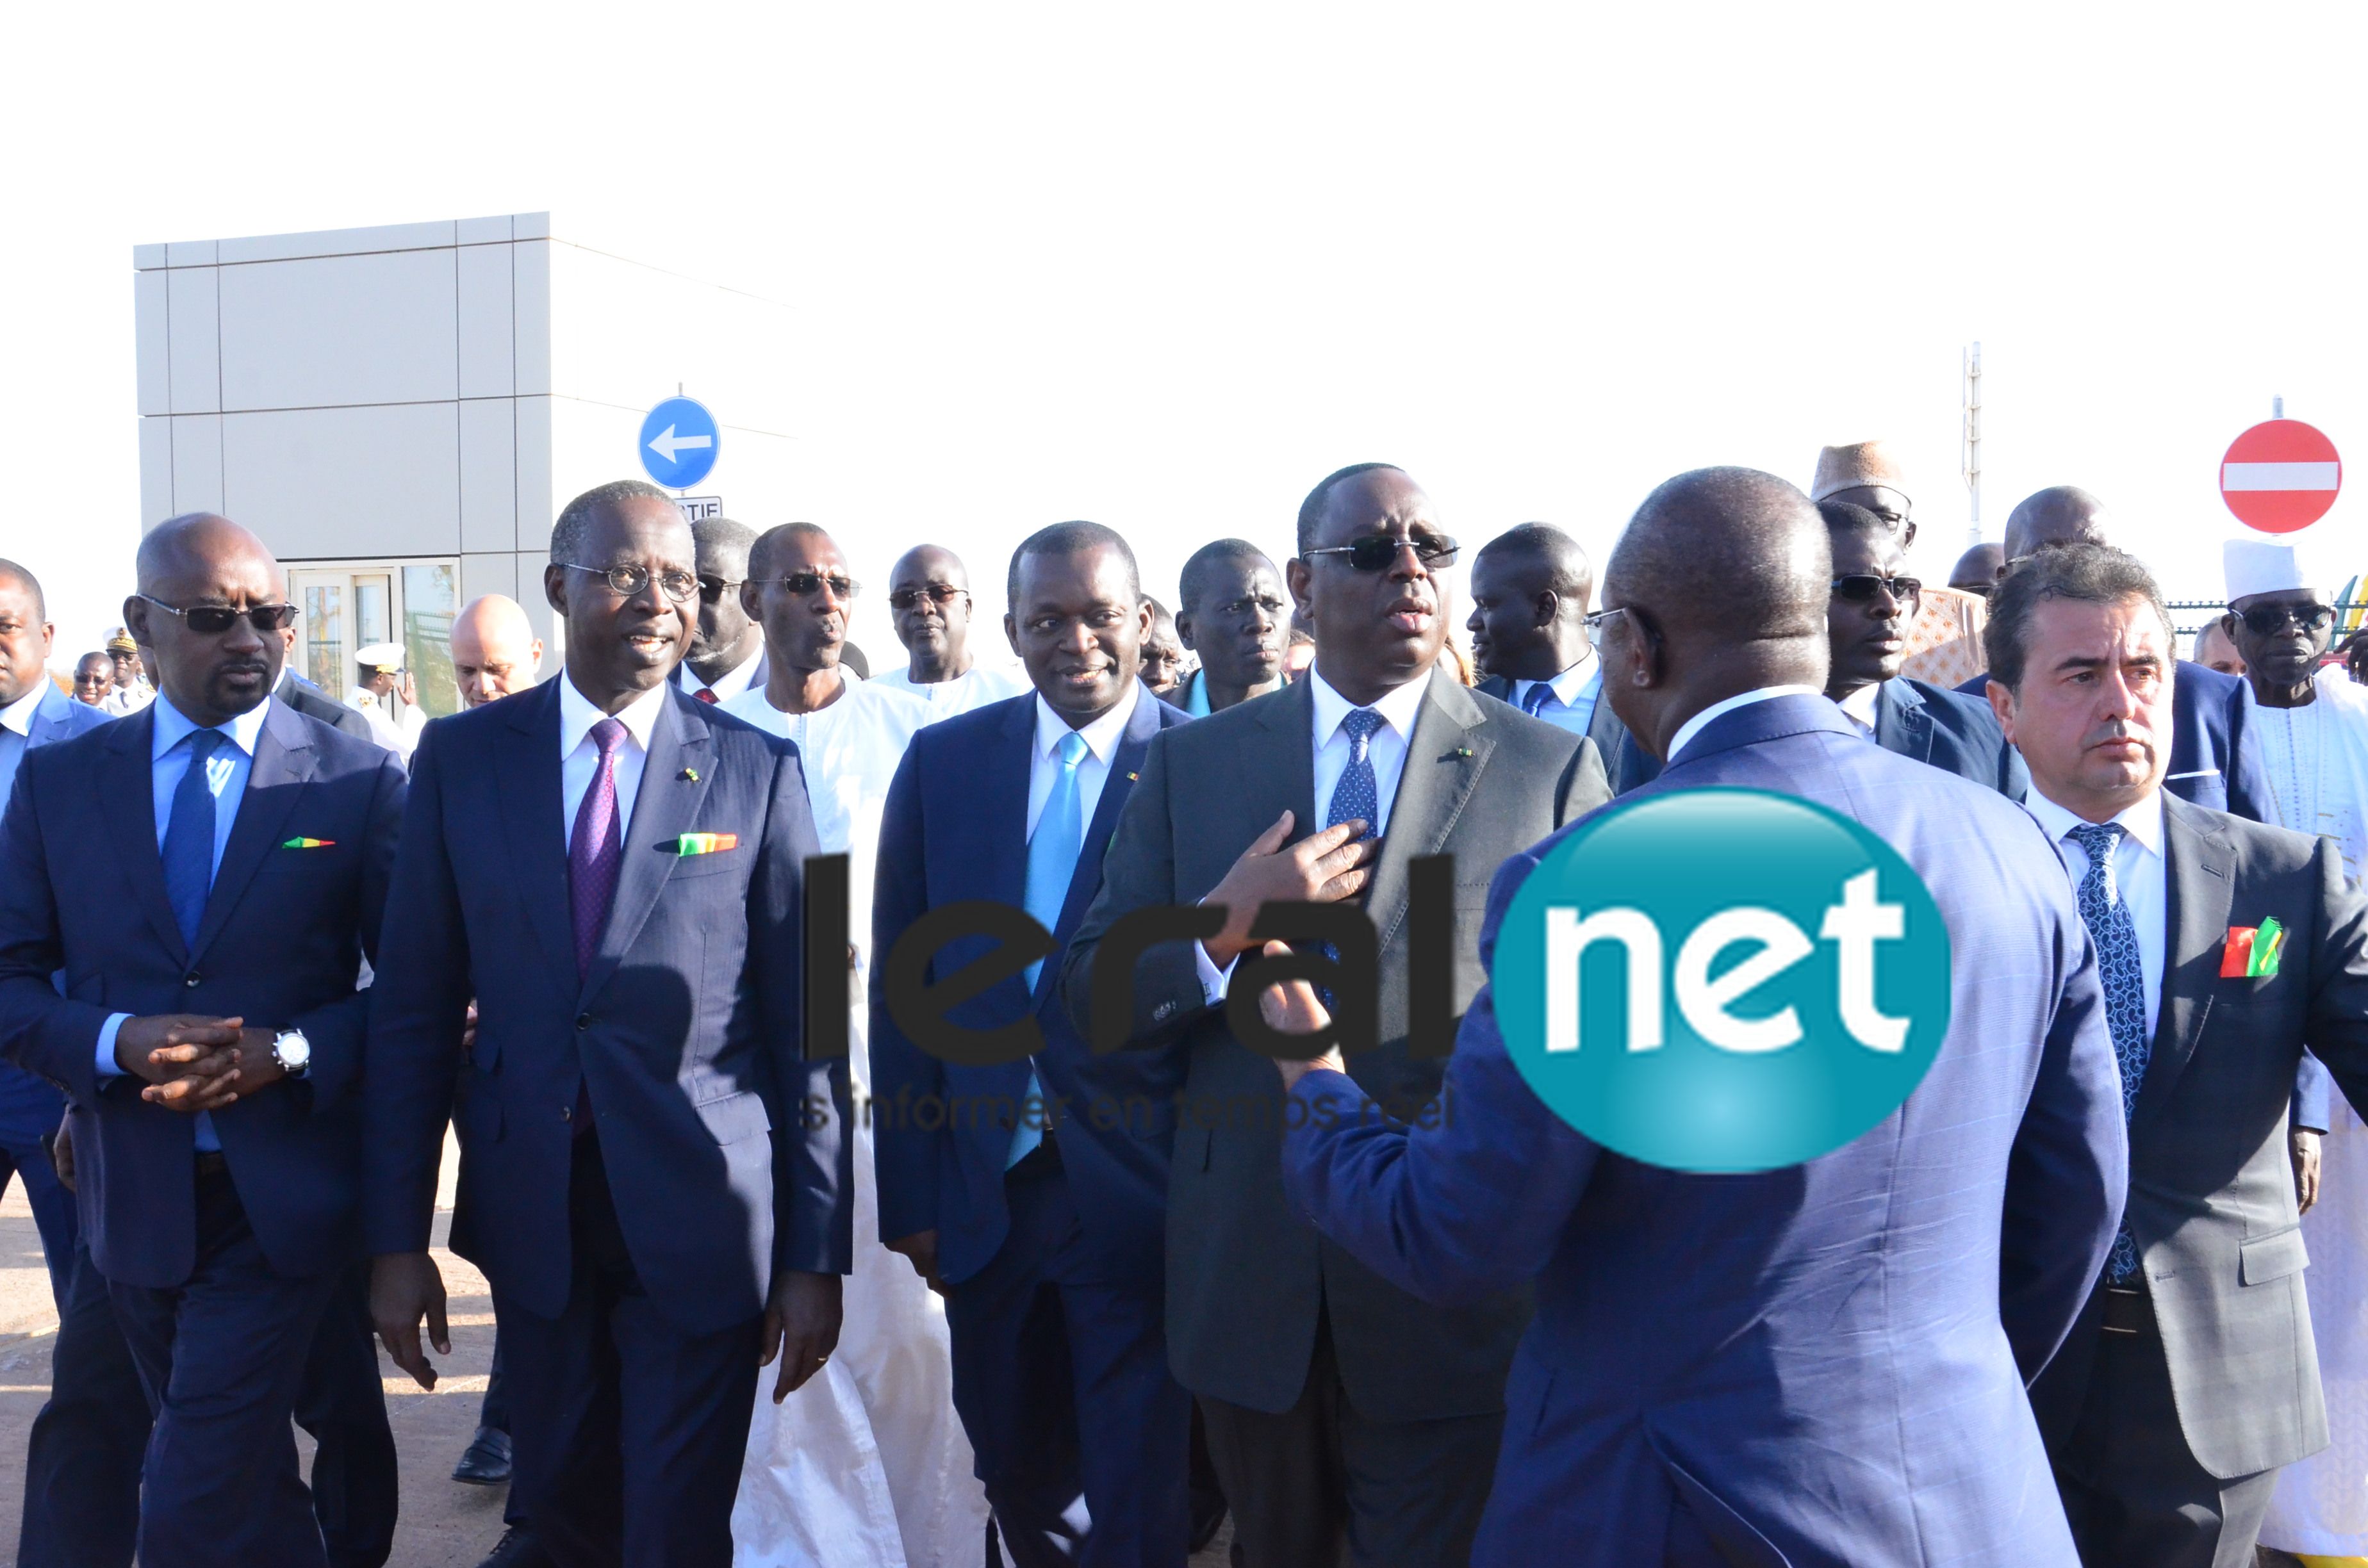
(1821, 1364)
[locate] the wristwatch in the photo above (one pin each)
(292, 1053)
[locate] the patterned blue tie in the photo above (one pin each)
(1052, 864)
(2116, 936)
(188, 850)
(1357, 798)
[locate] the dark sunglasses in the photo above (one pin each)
(2268, 620)
(1860, 588)
(712, 589)
(1378, 552)
(910, 599)
(812, 583)
(213, 620)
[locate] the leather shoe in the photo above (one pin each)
(487, 1462)
(518, 1547)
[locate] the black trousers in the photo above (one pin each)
(1398, 1494)
(627, 1433)
(2132, 1490)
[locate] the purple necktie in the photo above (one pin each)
(596, 851)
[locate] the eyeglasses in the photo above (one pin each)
(812, 583)
(213, 620)
(712, 589)
(1860, 588)
(1378, 552)
(910, 599)
(2268, 620)
(627, 581)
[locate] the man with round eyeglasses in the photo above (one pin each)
(930, 601)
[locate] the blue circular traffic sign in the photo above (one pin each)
(680, 442)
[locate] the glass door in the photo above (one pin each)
(326, 656)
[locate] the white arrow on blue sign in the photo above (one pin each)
(679, 443)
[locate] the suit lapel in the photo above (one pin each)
(1289, 716)
(663, 810)
(999, 799)
(1125, 767)
(2199, 876)
(1444, 758)
(1901, 724)
(284, 761)
(1603, 727)
(533, 832)
(127, 796)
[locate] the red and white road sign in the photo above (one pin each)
(2280, 476)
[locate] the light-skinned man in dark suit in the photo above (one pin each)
(2227, 948)
(1822, 1363)
(1034, 1193)
(655, 1180)
(208, 1038)
(1337, 1406)
(1530, 591)
(1867, 617)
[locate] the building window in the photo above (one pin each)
(347, 606)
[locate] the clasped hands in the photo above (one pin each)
(192, 1062)
(1323, 867)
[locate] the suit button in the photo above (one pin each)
(1162, 1011)
(583, 1021)
(192, 980)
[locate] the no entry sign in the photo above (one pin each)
(2280, 476)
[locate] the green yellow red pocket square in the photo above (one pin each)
(706, 843)
(310, 844)
(2253, 951)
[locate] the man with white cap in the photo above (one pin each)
(2310, 728)
(1944, 640)
(384, 694)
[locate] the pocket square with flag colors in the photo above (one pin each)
(2253, 951)
(310, 844)
(706, 843)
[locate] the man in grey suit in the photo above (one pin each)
(2227, 948)
(1530, 590)
(1336, 1405)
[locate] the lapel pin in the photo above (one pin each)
(310, 844)
(2252, 952)
(1459, 753)
(690, 774)
(1134, 777)
(705, 842)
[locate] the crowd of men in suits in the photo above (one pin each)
(253, 967)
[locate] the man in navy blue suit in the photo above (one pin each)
(1033, 1191)
(655, 1177)
(210, 1033)
(1819, 1364)
(1867, 620)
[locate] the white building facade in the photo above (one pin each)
(401, 412)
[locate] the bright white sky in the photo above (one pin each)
(1059, 261)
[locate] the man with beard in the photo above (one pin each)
(727, 649)
(1336, 1405)
(1230, 611)
(1866, 627)
(929, 595)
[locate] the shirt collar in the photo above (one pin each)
(1101, 735)
(578, 715)
(1571, 684)
(173, 726)
(2143, 821)
(1397, 708)
(1860, 704)
(18, 715)
(1700, 722)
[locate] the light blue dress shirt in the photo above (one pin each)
(1576, 692)
(226, 774)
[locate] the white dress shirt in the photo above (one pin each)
(1102, 738)
(18, 715)
(1385, 749)
(1859, 706)
(2140, 876)
(1576, 692)
(748, 671)
(1700, 722)
(579, 755)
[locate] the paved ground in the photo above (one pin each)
(444, 1526)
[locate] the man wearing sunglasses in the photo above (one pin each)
(1336, 1405)
(1866, 628)
(727, 647)
(208, 1033)
(928, 598)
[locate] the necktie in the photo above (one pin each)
(188, 850)
(2116, 936)
(597, 849)
(1533, 702)
(1357, 798)
(1052, 864)
(12, 753)
(704, 694)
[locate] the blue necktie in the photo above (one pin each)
(1357, 798)
(2116, 936)
(188, 850)
(1052, 865)
(13, 747)
(1533, 702)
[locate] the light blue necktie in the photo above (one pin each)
(1052, 865)
(2116, 936)
(13, 747)
(188, 848)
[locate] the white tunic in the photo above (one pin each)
(867, 1463)
(2317, 759)
(975, 687)
(395, 723)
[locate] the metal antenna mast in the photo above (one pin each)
(1971, 444)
